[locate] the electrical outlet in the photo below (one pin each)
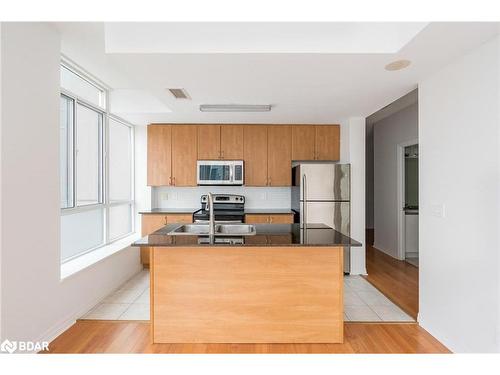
(164, 196)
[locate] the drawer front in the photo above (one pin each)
(256, 219)
(281, 219)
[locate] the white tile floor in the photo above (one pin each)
(362, 302)
(129, 302)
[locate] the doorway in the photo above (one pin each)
(408, 202)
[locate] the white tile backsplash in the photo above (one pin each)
(187, 197)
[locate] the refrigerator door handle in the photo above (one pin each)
(304, 201)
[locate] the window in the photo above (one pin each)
(96, 163)
(66, 156)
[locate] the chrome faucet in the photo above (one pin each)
(211, 220)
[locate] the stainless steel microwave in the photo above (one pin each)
(219, 172)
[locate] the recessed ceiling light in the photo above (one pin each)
(179, 93)
(234, 108)
(397, 65)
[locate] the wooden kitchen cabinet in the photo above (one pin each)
(303, 142)
(279, 155)
(220, 142)
(327, 142)
(159, 153)
(209, 142)
(255, 155)
(152, 222)
(231, 142)
(269, 218)
(172, 154)
(184, 155)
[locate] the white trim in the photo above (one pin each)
(400, 196)
(90, 258)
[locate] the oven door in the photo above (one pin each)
(217, 172)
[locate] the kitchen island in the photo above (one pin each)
(283, 284)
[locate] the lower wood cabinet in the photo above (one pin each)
(152, 222)
(269, 219)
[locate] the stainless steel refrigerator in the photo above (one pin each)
(321, 193)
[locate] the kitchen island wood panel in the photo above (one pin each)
(251, 295)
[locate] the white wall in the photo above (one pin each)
(459, 195)
(387, 134)
(35, 303)
(369, 176)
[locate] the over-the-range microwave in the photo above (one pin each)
(219, 172)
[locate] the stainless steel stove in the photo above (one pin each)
(229, 208)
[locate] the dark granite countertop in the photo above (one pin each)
(267, 235)
(268, 211)
(169, 211)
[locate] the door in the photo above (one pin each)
(327, 142)
(159, 155)
(303, 142)
(255, 155)
(334, 214)
(231, 142)
(209, 142)
(279, 155)
(184, 140)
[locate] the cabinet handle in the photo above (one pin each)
(270, 219)
(170, 180)
(270, 181)
(165, 220)
(173, 179)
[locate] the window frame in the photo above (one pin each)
(104, 201)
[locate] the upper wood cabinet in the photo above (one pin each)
(279, 155)
(303, 142)
(255, 155)
(327, 142)
(316, 142)
(231, 142)
(220, 142)
(267, 150)
(159, 155)
(172, 155)
(184, 154)
(209, 138)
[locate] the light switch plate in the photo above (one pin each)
(164, 196)
(438, 210)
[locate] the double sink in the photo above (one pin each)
(220, 230)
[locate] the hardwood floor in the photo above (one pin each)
(134, 337)
(397, 279)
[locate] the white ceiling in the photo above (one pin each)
(326, 86)
(259, 37)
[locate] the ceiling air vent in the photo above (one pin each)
(179, 93)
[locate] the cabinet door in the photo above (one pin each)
(231, 143)
(255, 155)
(303, 142)
(209, 142)
(279, 155)
(281, 219)
(150, 224)
(159, 155)
(184, 152)
(256, 219)
(327, 142)
(179, 218)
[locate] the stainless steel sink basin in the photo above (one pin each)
(220, 230)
